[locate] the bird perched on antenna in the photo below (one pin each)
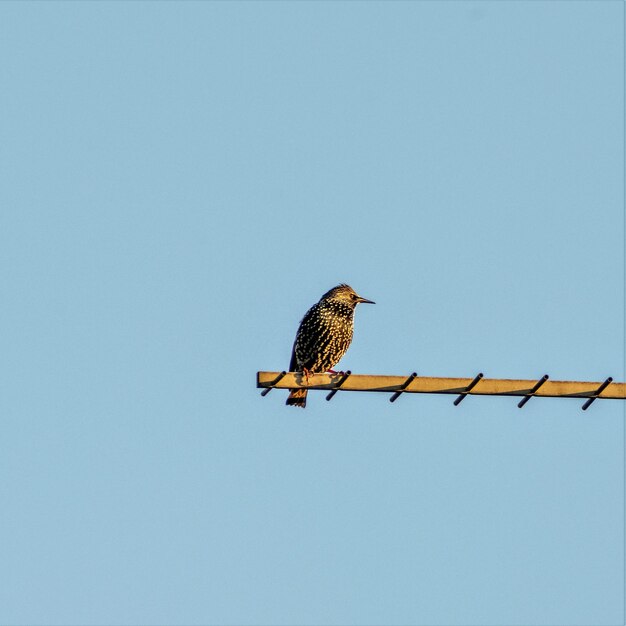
(324, 335)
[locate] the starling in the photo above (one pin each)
(324, 336)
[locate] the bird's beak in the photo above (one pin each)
(364, 300)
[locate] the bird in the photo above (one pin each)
(324, 335)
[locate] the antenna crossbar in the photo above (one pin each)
(478, 386)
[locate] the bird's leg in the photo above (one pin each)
(306, 373)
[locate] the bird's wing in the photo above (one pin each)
(305, 349)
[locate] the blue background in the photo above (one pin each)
(180, 182)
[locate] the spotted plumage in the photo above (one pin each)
(324, 335)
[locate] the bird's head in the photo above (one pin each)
(344, 294)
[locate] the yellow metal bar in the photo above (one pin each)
(429, 384)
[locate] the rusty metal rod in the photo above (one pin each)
(446, 386)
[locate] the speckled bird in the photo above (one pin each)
(324, 335)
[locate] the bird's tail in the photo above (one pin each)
(297, 397)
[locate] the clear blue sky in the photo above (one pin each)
(180, 182)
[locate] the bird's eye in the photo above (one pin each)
(353, 296)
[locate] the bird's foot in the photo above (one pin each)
(306, 373)
(334, 372)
